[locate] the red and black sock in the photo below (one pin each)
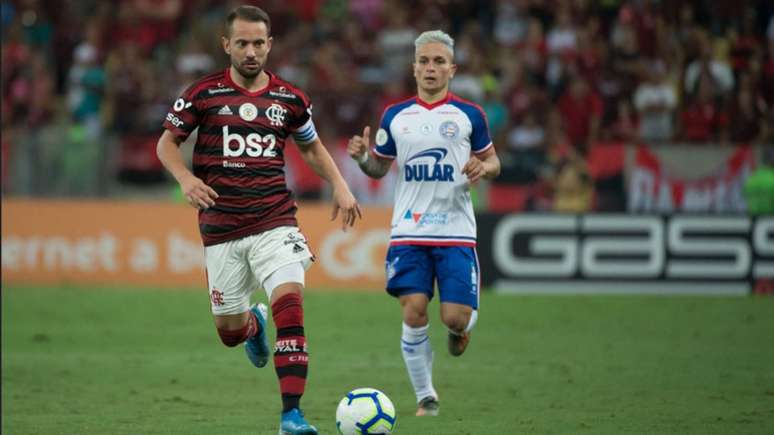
(237, 336)
(290, 356)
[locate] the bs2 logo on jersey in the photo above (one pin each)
(427, 166)
(254, 145)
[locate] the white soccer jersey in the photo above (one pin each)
(432, 143)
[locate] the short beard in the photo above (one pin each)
(246, 73)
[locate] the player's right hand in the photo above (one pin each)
(358, 145)
(198, 194)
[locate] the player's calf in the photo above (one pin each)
(291, 359)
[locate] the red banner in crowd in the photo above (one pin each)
(651, 189)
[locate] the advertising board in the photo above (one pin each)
(156, 244)
(606, 253)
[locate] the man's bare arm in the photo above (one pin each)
(198, 194)
(482, 165)
(357, 148)
(317, 157)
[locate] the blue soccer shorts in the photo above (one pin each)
(416, 269)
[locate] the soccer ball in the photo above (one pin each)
(365, 411)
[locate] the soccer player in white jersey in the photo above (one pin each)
(442, 146)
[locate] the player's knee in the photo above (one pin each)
(415, 319)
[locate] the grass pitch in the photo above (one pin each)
(128, 361)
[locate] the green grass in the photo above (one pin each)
(127, 361)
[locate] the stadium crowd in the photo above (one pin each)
(565, 84)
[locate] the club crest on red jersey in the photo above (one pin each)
(276, 114)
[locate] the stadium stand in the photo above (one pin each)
(564, 84)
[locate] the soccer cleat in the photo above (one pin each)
(257, 346)
(293, 423)
(428, 407)
(458, 343)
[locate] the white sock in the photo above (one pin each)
(418, 356)
(472, 321)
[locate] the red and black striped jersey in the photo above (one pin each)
(240, 149)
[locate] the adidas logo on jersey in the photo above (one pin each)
(225, 110)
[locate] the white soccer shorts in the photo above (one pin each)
(236, 268)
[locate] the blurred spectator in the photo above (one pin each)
(38, 29)
(525, 152)
(193, 61)
(129, 28)
(656, 102)
(608, 83)
(668, 48)
(396, 41)
(763, 75)
(746, 117)
(533, 49)
(496, 112)
(529, 135)
(332, 68)
(128, 86)
(708, 65)
(626, 55)
(368, 13)
(621, 125)
(360, 48)
(581, 111)
(689, 32)
(86, 87)
(15, 57)
(562, 39)
(394, 92)
(523, 94)
(590, 54)
(703, 120)
(744, 43)
(511, 22)
(759, 187)
(29, 108)
(469, 82)
(154, 21)
(573, 190)
(7, 13)
(39, 89)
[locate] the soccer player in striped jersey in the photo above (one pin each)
(245, 115)
(442, 146)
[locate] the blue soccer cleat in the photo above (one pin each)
(257, 346)
(293, 423)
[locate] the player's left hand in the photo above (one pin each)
(350, 210)
(474, 169)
